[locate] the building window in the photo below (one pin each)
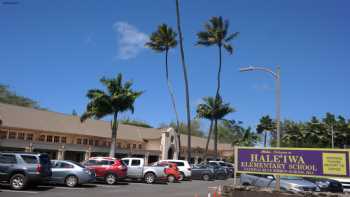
(63, 140)
(49, 138)
(91, 142)
(12, 135)
(42, 138)
(20, 136)
(140, 146)
(29, 136)
(85, 141)
(109, 144)
(104, 143)
(3, 134)
(128, 146)
(96, 143)
(134, 146)
(78, 141)
(119, 145)
(56, 139)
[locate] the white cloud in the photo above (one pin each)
(130, 40)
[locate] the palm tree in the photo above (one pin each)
(118, 98)
(216, 33)
(205, 110)
(184, 69)
(213, 109)
(266, 124)
(162, 41)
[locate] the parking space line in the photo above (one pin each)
(107, 186)
(15, 191)
(61, 187)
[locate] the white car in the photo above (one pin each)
(184, 168)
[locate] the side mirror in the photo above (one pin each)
(270, 177)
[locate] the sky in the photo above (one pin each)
(55, 51)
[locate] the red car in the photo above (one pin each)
(107, 169)
(171, 170)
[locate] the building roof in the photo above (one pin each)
(41, 120)
(29, 118)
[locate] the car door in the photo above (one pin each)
(264, 181)
(7, 162)
(61, 170)
(196, 171)
(136, 169)
(94, 166)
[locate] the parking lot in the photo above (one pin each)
(182, 189)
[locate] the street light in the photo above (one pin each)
(331, 126)
(277, 77)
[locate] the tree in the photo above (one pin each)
(205, 110)
(9, 97)
(216, 33)
(213, 109)
(264, 126)
(231, 131)
(137, 123)
(317, 133)
(184, 69)
(163, 40)
(195, 127)
(118, 98)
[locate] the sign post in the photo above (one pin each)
(235, 154)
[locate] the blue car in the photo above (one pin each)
(70, 173)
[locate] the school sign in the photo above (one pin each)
(293, 161)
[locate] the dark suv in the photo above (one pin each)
(22, 169)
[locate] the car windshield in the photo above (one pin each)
(291, 178)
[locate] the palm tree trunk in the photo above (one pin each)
(114, 134)
(217, 97)
(265, 136)
(216, 139)
(184, 68)
(208, 140)
(219, 74)
(172, 96)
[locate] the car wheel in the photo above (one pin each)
(221, 177)
(18, 181)
(182, 176)
(206, 177)
(171, 179)
(111, 179)
(71, 181)
(150, 178)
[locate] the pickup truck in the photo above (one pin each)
(138, 170)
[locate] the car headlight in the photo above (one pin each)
(322, 184)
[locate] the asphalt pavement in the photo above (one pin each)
(182, 189)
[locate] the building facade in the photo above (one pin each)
(65, 137)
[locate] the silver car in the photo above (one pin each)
(288, 183)
(70, 173)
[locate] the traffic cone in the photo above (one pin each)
(219, 191)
